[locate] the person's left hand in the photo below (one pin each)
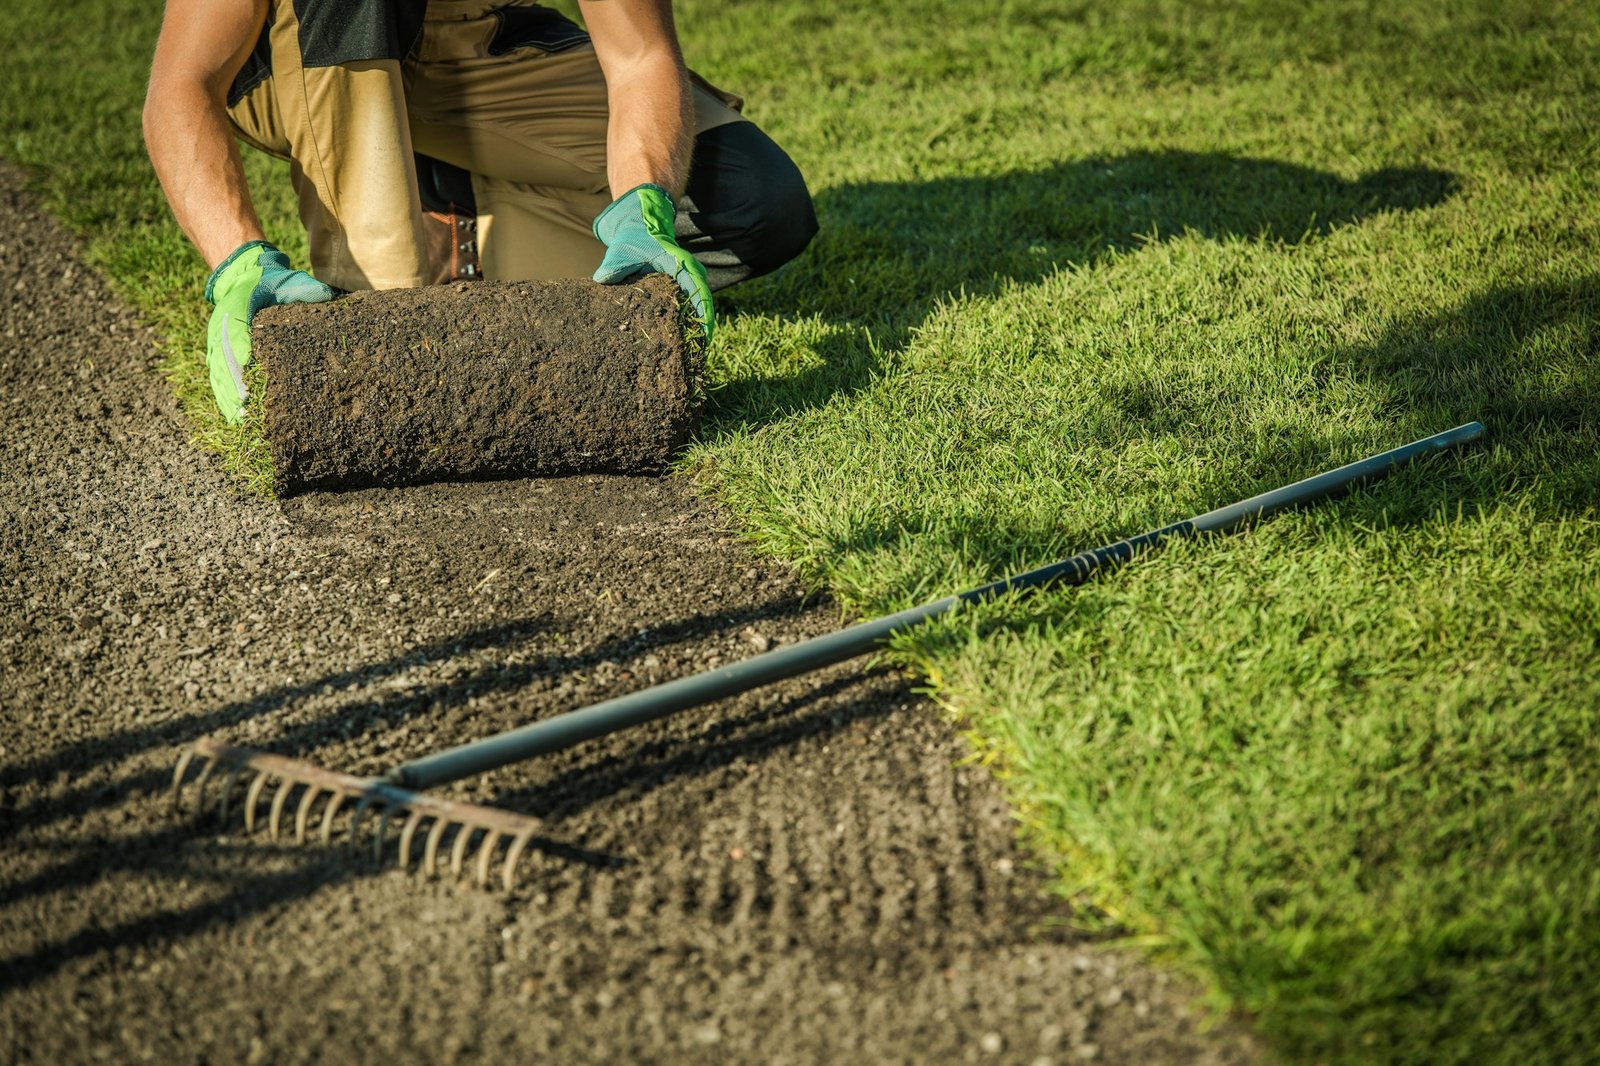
(638, 232)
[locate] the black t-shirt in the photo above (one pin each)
(338, 31)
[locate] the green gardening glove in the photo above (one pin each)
(638, 231)
(254, 276)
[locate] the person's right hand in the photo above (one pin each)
(255, 275)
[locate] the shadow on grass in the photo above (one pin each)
(1524, 360)
(889, 252)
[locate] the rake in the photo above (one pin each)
(309, 799)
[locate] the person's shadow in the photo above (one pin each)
(889, 252)
(1523, 359)
(1520, 357)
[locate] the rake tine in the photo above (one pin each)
(335, 801)
(355, 821)
(200, 788)
(252, 800)
(430, 850)
(302, 814)
(381, 834)
(279, 798)
(508, 874)
(407, 833)
(491, 839)
(228, 785)
(178, 775)
(458, 853)
(472, 833)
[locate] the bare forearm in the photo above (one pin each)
(651, 128)
(647, 90)
(197, 160)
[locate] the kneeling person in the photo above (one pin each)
(579, 153)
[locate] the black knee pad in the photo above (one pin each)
(746, 210)
(445, 187)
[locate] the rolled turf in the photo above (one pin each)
(468, 382)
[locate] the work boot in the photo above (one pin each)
(449, 221)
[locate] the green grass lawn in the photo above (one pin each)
(1089, 267)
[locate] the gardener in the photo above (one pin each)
(579, 155)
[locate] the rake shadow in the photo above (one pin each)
(156, 854)
(756, 735)
(357, 718)
(171, 852)
(171, 849)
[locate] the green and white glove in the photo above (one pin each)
(254, 276)
(639, 234)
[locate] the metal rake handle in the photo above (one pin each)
(574, 727)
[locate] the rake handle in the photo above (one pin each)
(635, 708)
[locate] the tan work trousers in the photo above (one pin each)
(529, 125)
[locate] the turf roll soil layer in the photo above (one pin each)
(479, 381)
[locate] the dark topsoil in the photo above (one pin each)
(491, 379)
(809, 873)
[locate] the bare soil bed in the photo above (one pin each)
(810, 873)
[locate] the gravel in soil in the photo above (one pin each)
(809, 873)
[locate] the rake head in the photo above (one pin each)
(306, 800)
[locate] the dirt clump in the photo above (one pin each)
(467, 382)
